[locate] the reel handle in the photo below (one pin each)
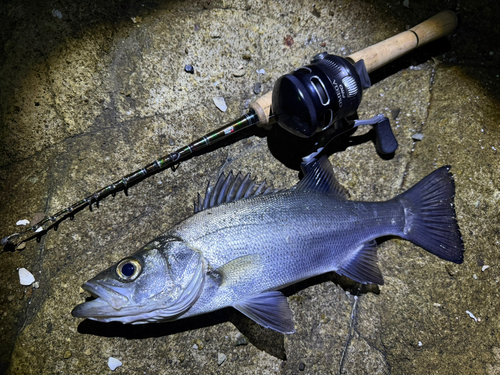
(381, 53)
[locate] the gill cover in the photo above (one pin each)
(187, 268)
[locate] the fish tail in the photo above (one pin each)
(430, 216)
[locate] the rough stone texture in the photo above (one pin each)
(90, 92)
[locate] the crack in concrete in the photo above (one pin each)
(352, 324)
(353, 330)
(374, 347)
(420, 128)
(31, 308)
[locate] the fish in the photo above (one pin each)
(247, 241)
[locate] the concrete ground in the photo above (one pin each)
(91, 91)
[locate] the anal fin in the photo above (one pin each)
(363, 266)
(270, 310)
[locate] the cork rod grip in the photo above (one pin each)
(382, 53)
(390, 49)
(262, 108)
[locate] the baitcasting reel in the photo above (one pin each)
(326, 94)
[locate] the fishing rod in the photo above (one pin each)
(322, 96)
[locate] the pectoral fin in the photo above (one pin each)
(270, 310)
(363, 266)
(238, 270)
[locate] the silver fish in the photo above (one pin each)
(247, 241)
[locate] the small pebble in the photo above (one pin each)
(288, 40)
(37, 217)
(26, 277)
(315, 12)
(198, 344)
(23, 222)
(471, 315)
(260, 71)
(241, 340)
(67, 354)
(302, 366)
(484, 268)
(220, 103)
(257, 88)
(36, 284)
(113, 363)
(221, 358)
(450, 270)
(395, 113)
(189, 69)
(11, 297)
(417, 136)
(57, 13)
(239, 72)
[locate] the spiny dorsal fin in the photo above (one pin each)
(231, 188)
(318, 176)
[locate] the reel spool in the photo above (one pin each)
(314, 97)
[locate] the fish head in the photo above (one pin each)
(159, 282)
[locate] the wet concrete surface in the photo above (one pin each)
(90, 92)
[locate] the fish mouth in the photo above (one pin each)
(107, 303)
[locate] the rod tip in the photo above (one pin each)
(9, 239)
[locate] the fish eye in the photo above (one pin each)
(128, 269)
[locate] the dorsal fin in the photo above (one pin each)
(229, 189)
(318, 176)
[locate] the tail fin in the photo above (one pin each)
(430, 216)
